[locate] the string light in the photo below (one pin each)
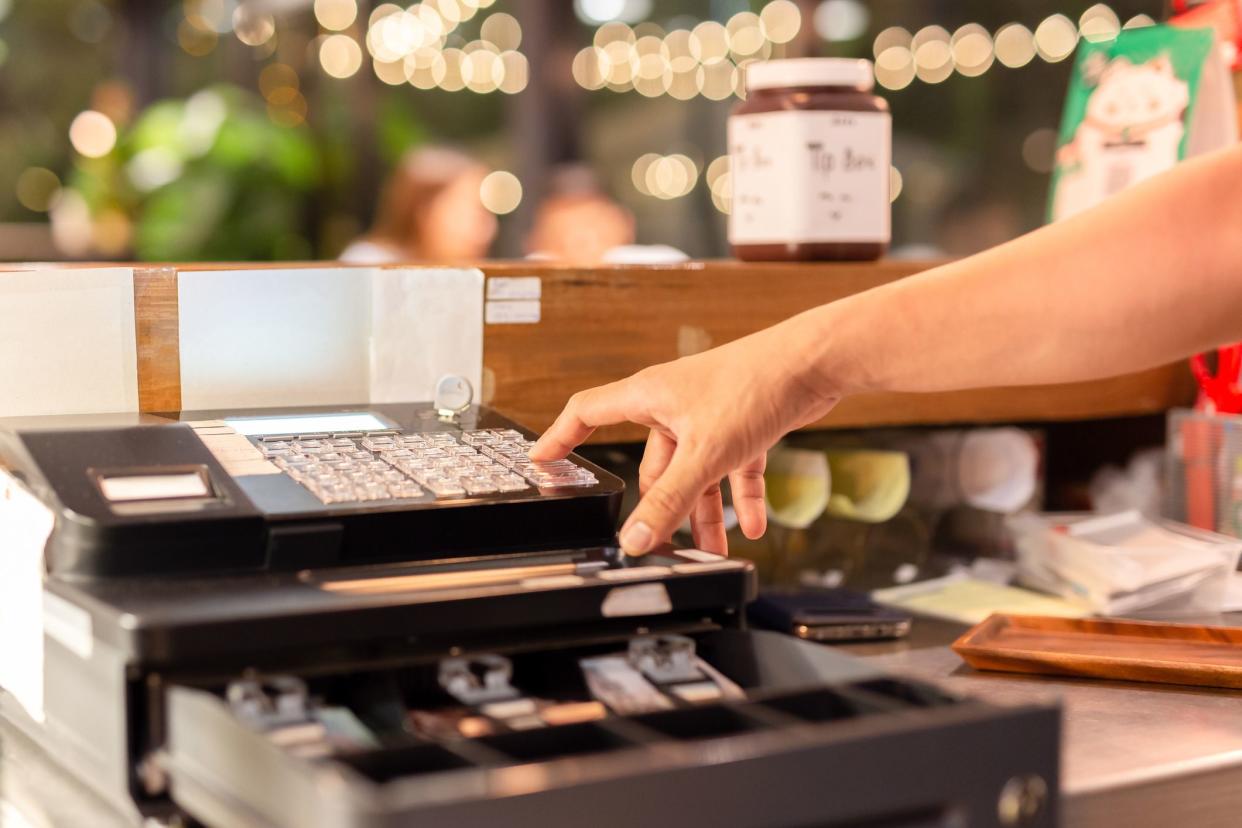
(336, 15)
(341, 56)
(709, 42)
(705, 60)
(482, 71)
(841, 20)
(972, 50)
(933, 57)
(92, 134)
(664, 176)
(652, 75)
(502, 30)
(214, 16)
(588, 70)
(719, 179)
(781, 21)
(894, 68)
(1055, 38)
(501, 192)
(709, 58)
(745, 34)
(716, 81)
(454, 76)
(1099, 23)
(1015, 45)
(425, 68)
(251, 27)
(449, 10)
(890, 38)
(516, 72)
(613, 32)
(895, 183)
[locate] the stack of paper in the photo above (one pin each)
(1125, 563)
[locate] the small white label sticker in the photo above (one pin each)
(639, 599)
(801, 176)
(514, 287)
(520, 312)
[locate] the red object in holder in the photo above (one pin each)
(1218, 390)
(1200, 441)
(1219, 393)
(1225, 16)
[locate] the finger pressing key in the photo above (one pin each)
(747, 486)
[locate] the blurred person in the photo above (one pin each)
(430, 211)
(577, 222)
(1151, 275)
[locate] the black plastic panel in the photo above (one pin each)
(270, 522)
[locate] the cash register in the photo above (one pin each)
(388, 615)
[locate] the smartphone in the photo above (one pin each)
(827, 615)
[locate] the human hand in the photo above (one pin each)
(711, 415)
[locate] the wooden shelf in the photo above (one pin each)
(599, 325)
(602, 324)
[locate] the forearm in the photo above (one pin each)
(1151, 276)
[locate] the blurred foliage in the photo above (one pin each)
(266, 188)
(206, 179)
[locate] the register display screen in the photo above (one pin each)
(126, 488)
(309, 424)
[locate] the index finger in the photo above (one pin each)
(585, 412)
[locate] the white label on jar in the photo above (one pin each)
(804, 177)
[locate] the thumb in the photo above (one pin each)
(665, 505)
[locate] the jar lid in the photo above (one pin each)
(777, 74)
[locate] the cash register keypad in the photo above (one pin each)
(391, 465)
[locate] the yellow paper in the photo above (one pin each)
(969, 600)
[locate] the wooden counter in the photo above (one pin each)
(598, 325)
(601, 325)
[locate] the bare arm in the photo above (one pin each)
(1152, 275)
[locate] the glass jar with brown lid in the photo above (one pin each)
(810, 154)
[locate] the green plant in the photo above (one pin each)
(208, 178)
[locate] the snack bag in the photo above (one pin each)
(1136, 106)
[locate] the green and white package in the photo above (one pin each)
(1137, 105)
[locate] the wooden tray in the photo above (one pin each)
(1093, 648)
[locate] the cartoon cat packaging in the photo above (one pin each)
(1137, 105)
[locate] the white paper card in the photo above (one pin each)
(67, 342)
(257, 338)
(27, 525)
(425, 323)
(326, 336)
